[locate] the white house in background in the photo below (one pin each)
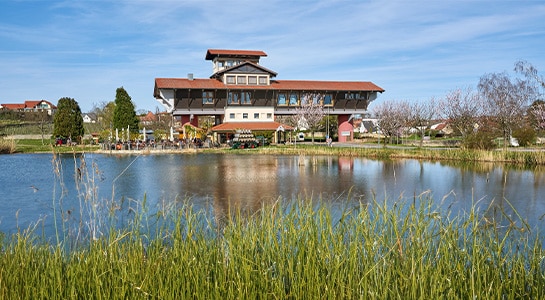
(89, 118)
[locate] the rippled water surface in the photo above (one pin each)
(32, 184)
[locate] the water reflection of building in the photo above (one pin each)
(246, 186)
(242, 94)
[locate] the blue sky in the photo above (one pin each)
(414, 49)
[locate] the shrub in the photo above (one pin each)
(478, 140)
(525, 135)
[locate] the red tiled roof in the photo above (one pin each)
(13, 106)
(255, 126)
(301, 85)
(34, 103)
(211, 53)
(148, 117)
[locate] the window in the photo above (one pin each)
(236, 97)
(282, 99)
(293, 99)
(241, 79)
(220, 64)
(252, 79)
(207, 97)
(245, 98)
(263, 80)
(328, 101)
(233, 98)
(230, 80)
(245, 115)
(256, 115)
(231, 116)
(352, 96)
(316, 98)
(269, 115)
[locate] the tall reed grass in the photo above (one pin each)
(527, 158)
(405, 250)
(7, 145)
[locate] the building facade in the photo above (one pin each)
(242, 94)
(31, 106)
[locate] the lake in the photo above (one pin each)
(33, 185)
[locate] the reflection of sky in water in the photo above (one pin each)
(29, 186)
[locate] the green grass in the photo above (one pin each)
(37, 146)
(287, 251)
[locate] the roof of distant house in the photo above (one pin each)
(13, 105)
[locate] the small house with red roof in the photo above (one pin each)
(242, 94)
(32, 106)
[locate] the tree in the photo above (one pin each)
(68, 121)
(530, 72)
(392, 118)
(463, 108)
(420, 115)
(124, 112)
(311, 112)
(506, 100)
(536, 114)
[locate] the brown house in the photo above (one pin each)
(241, 93)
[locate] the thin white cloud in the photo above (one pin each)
(414, 49)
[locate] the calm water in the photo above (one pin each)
(30, 188)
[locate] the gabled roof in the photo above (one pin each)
(31, 103)
(284, 85)
(34, 103)
(148, 117)
(90, 115)
(244, 65)
(255, 126)
(213, 53)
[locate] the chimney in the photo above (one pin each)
(190, 76)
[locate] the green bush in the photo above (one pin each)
(479, 140)
(525, 135)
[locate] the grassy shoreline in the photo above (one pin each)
(525, 157)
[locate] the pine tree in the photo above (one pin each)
(124, 112)
(68, 122)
